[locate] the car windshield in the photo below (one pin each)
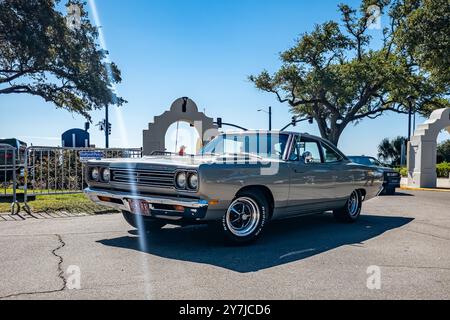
(265, 145)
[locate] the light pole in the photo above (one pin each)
(411, 113)
(270, 116)
(107, 127)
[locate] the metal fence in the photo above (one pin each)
(9, 171)
(56, 170)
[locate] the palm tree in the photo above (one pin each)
(384, 150)
(391, 150)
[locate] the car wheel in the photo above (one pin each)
(246, 217)
(352, 209)
(148, 224)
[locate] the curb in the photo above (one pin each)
(424, 189)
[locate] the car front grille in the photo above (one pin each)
(148, 178)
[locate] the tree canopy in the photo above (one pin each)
(424, 33)
(42, 55)
(335, 74)
(443, 152)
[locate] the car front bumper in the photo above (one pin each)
(169, 208)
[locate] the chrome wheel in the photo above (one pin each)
(243, 216)
(353, 204)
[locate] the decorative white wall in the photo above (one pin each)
(182, 109)
(422, 150)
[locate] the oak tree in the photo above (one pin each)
(41, 54)
(336, 74)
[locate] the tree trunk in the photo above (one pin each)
(331, 134)
(335, 134)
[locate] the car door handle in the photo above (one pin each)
(298, 171)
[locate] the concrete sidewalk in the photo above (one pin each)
(441, 183)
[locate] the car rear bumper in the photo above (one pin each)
(392, 183)
(170, 208)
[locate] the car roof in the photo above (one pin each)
(303, 134)
(239, 132)
(362, 157)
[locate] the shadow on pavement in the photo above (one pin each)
(282, 242)
(399, 194)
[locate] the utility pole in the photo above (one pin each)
(404, 148)
(409, 119)
(270, 118)
(107, 127)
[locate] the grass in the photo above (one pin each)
(71, 203)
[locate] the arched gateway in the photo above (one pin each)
(183, 109)
(422, 150)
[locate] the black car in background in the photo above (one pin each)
(391, 177)
(7, 161)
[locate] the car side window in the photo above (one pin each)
(329, 154)
(306, 150)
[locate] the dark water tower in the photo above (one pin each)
(75, 138)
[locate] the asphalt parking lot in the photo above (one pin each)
(407, 236)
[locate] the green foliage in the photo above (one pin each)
(335, 75)
(69, 203)
(443, 170)
(402, 170)
(443, 152)
(390, 150)
(424, 33)
(42, 56)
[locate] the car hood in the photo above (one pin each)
(169, 162)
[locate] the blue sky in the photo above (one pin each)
(202, 49)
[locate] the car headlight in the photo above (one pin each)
(95, 174)
(181, 180)
(106, 175)
(193, 181)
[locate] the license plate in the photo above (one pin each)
(139, 207)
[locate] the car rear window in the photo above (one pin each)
(361, 160)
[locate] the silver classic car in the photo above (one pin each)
(241, 181)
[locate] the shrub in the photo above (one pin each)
(443, 170)
(404, 172)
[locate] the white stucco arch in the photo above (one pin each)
(422, 150)
(182, 109)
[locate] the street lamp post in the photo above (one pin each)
(270, 116)
(409, 119)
